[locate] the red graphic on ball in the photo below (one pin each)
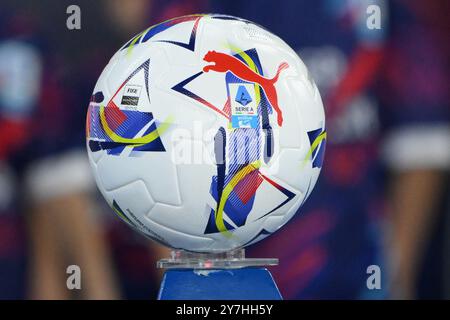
(224, 62)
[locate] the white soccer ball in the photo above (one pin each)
(206, 133)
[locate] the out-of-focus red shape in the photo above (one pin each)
(364, 66)
(13, 135)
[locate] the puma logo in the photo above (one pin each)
(224, 62)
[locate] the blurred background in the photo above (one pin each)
(382, 197)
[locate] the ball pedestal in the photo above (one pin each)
(217, 276)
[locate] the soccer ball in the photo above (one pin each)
(206, 133)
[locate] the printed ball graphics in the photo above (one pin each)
(206, 133)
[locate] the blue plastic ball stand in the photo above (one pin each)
(226, 276)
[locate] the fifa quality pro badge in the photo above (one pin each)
(130, 96)
(244, 111)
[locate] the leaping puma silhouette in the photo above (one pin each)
(224, 62)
